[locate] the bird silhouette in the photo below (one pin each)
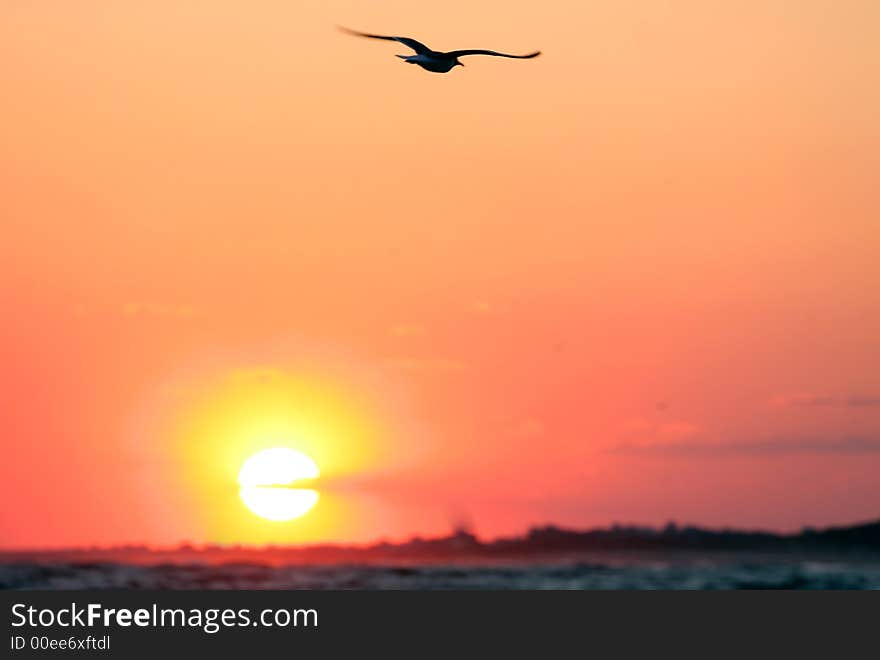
(432, 60)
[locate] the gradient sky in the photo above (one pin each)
(635, 279)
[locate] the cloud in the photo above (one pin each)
(528, 428)
(807, 400)
(678, 430)
(407, 330)
(439, 365)
(158, 310)
(482, 306)
(770, 446)
(645, 431)
(863, 401)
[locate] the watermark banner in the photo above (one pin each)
(411, 624)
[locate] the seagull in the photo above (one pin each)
(432, 60)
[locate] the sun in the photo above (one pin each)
(266, 483)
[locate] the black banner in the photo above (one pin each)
(412, 624)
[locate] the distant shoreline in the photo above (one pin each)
(539, 543)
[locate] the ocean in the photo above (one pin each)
(586, 573)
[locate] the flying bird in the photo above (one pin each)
(432, 60)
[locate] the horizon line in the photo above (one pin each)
(201, 546)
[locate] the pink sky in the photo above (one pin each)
(631, 280)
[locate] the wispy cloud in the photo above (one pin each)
(417, 364)
(482, 306)
(407, 330)
(650, 431)
(529, 427)
(762, 447)
(810, 400)
(149, 308)
(863, 401)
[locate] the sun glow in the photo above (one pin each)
(266, 484)
(219, 420)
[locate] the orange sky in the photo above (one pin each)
(634, 279)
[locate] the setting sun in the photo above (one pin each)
(266, 480)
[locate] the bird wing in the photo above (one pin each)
(417, 46)
(462, 53)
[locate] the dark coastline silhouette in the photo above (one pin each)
(538, 543)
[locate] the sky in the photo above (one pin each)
(632, 280)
